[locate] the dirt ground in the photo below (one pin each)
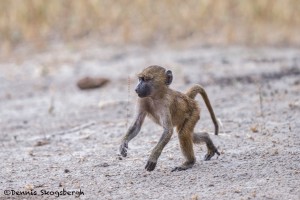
(55, 136)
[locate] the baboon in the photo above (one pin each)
(169, 108)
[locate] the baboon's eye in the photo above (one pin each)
(144, 79)
(147, 78)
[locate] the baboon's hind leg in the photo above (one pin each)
(211, 149)
(185, 135)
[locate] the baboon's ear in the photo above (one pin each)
(169, 77)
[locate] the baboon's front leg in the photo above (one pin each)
(133, 130)
(165, 138)
(186, 145)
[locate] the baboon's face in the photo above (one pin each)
(144, 87)
(153, 80)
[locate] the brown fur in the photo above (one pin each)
(169, 109)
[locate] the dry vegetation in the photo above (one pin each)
(138, 21)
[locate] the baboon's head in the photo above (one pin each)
(152, 80)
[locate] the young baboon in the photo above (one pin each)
(169, 109)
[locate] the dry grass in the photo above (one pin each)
(139, 21)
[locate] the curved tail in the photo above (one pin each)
(193, 91)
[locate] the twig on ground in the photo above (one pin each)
(77, 128)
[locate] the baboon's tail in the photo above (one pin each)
(192, 92)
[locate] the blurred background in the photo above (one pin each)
(257, 22)
(67, 78)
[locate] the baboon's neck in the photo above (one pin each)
(161, 93)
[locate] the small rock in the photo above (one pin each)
(102, 165)
(91, 83)
(42, 143)
(29, 187)
(297, 82)
(254, 129)
(195, 197)
(237, 191)
(275, 152)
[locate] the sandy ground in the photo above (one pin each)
(55, 136)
